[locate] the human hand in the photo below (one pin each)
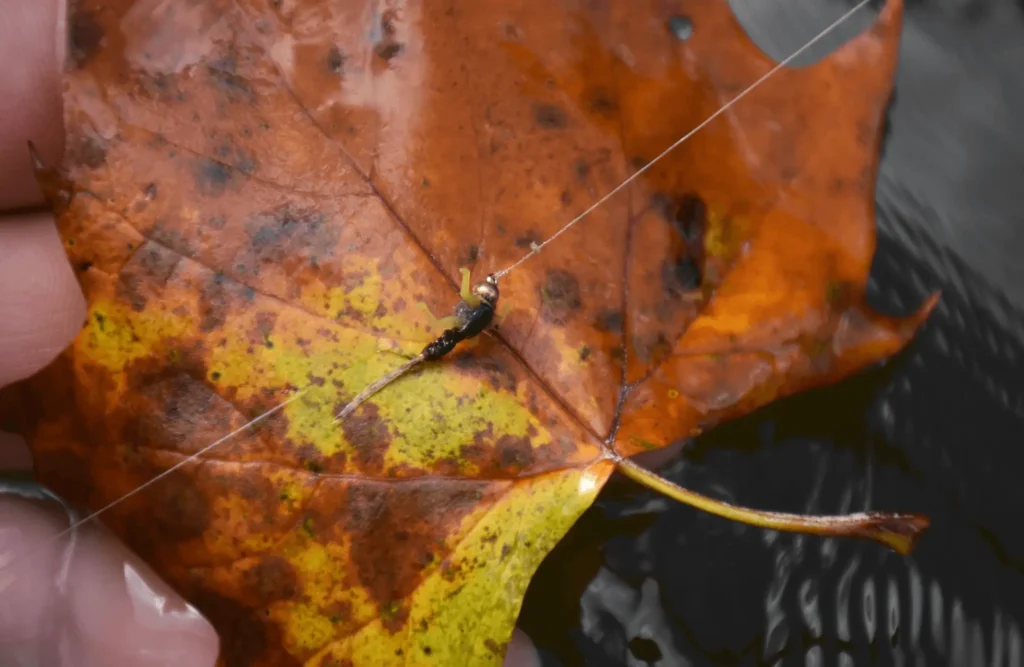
(82, 599)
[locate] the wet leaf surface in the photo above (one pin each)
(257, 195)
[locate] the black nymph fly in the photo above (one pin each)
(473, 314)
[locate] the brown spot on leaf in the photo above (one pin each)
(335, 60)
(212, 178)
(368, 436)
(514, 453)
(90, 151)
(603, 103)
(179, 509)
(681, 276)
(560, 296)
(245, 637)
(272, 579)
(610, 321)
(549, 116)
(224, 73)
(171, 408)
(85, 34)
(388, 50)
(388, 47)
(213, 304)
(423, 513)
(290, 238)
(145, 274)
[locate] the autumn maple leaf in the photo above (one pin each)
(257, 195)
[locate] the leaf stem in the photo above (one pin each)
(899, 532)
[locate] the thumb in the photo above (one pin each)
(84, 600)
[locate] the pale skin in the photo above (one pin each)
(103, 606)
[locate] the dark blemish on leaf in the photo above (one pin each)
(425, 510)
(172, 238)
(514, 453)
(212, 178)
(603, 104)
(224, 73)
(145, 274)
(681, 277)
(245, 639)
(618, 353)
(84, 266)
(178, 510)
(272, 579)
(240, 159)
(691, 218)
(527, 240)
(91, 152)
(582, 170)
(150, 191)
(549, 116)
(638, 161)
(335, 60)
(85, 35)
(566, 198)
(316, 380)
(215, 376)
(560, 296)
(584, 353)
(681, 26)
(289, 234)
(472, 254)
(265, 322)
(213, 304)
(610, 321)
(651, 348)
(388, 50)
(662, 204)
(369, 437)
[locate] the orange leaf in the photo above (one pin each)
(257, 194)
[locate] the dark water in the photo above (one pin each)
(644, 581)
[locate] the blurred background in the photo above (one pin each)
(642, 580)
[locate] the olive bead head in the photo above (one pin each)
(487, 291)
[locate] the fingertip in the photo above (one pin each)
(41, 304)
(144, 622)
(31, 50)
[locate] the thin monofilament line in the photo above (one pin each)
(535, 250)
(153, 480)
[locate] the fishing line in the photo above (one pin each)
(535, 250)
